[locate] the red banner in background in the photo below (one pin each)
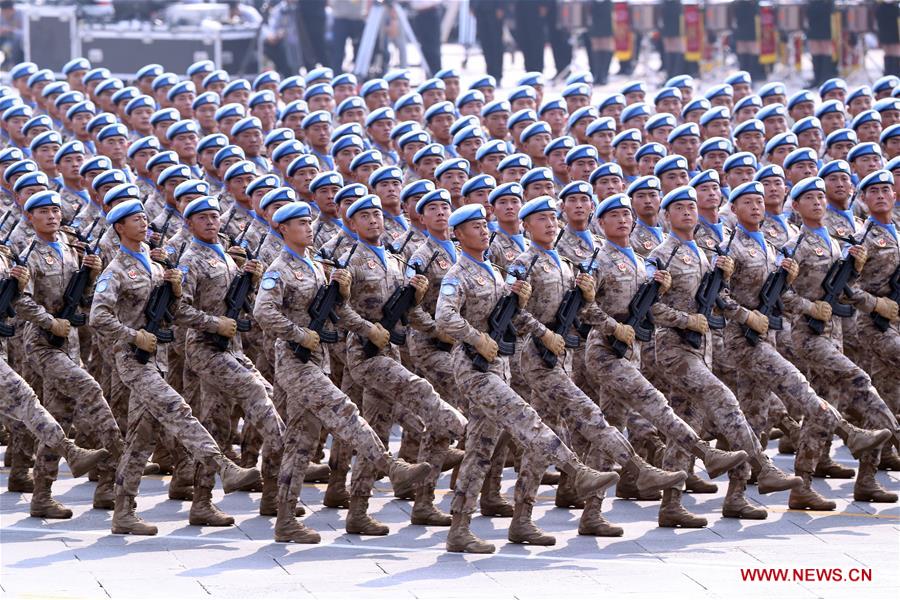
(693, 32)
(622, 33)
(768, 36)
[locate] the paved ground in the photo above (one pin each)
(79, 558)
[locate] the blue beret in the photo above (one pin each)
(404, 127)
(810, 184)
(893, 164)
(21, 166)
(327, 178)
(278, 135)
(347, 141)
(882, 176)
(229, 151)
(350, 103)
(126, 94)
(466, 213)
(707, 176)
(287, 148)
(351, 190)
(368, 201)
(217, 76)
(110, 176)
(534, 129)
(182, 127)
(151, 70)
(749, 187)
(478, 182)
(536, 205)
(373, 85)
(319, 73)
(202, 204)
(11, 154)
(164, 114)
(695, 104)
(182, 171)
(629, 135)
(429, 150)
(246, 124)
(491, 147)
(23, 69)
(125, 209)
(609, 169)
(495, 106)
(367, 157)
(601, 124)
(634, 86)
(716, 112)
(775, 88)
(716, 144)
(535, 175)
(865, 116)
(800, 155)
(72, 147)
(113, 130)
(576, 187)
(344, 79)
(453, 164)
(55, 87)
(386, 173)
(889, 132)
(750, 126)
(681, 81)
(485, 81)
(96, 163)
(526, 114)
(17, 110)
(740, 159)
(468, 97)
(292, 82)
(829, 106)
(41, 76)
(76, 64)
(137, 102)
(161, 80)
(645, 182)
(612, 203)
(576, 89)
(610, 100)
(883, 105)
(236, 86)
(397, 75)
(673, 162)
(379, 114)
(266, 78)
(304, 161)
(522, 92)
(410, 99)
(748, 101)
(785, 138)
(281, 194)
(738, 78)
(835, 83)
(431, 84)
(435, 195)
(772, 110)
(580, 77)
(182, 87)
(293, 107)
(650, 149)
(261, 97)
(667, 92)
(682, 130)
(531, 78)
(122, 191)
(638, 109)
(107, 85)
(100, 121)
(679, 194)
(581, 151)
(723, 89)
(769, 171)
(447, 73)
(863, 149)
(191, 186)
(799, 98)
(835, 166)
(511, 188)
(37, 121)
(31, 179)
(319, 116)
(292, 210)
(805, 124)
(416, 188)
(201, 66)
(886, 83)
(660, 120)
(267, 181)
(42, 139)
(515, 160)
(348, 129)
(244, 167)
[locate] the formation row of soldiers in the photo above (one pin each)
(604, 286)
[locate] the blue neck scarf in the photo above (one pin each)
(217, 248)
(822, 232)
(56, 247)
(717, 227)
(847, 215)
(349, 233)
(756, 236)
(890, 227)
(400, 220)
(141, 257)
(486, 266)
(326, 159)
(274, 233)
(691, 244)
(305, 260)
(379, 252)
(627, 251)
(656, 231)
(447, 245)
(585, 236)
(552, 254)
(781, 219)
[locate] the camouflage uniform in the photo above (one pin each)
(324, 230)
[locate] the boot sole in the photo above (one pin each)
(468, 550)
(46, 516)
(679, 525)
(373, 534)
(875, 499)
(741, 457)
(777, 488)
(602, 484)
(607, 533)
(534, 542)
(310, 540)
(803, 506)
(201, 523)
(101, 455)
(129, 532)
(502, 513)
(752, 516)
(883, 436)
(247, 481)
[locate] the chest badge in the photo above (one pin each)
(648, 245)
(751, 252)
(621, 266)
(840, 230)
(881, 242)
(819, 252)
(580, 253)
(213, 262)
(480, 280)
(395, 234)
(710, 243)
(443, 264)
(510, 255)
(132, 273)
(48, 259)
(370, 263)
(298, 274)
(546, 268)
(686, 259)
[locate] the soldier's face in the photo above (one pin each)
(646, 204)
(709, 196)
(577, 207)
(538, 188)
(683, 216)
(69, 166)
(389, 192)
(473, 235)
(838, 187)
(133, 228)
(507, 209)
(811, 206)
(205, 225)
(749, 209)
(435, 216)
(368, 224)
(617, 223)
(297, 232)
(542, 227)
(46, 219)
(879, 198)
(774, 189)
(324, 197)
(673, 179)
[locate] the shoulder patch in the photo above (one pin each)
(183, 269)
(449, 285)
(270, 279)
(512, 271)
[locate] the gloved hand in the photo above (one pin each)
(5, 251)
(820, 310)
(726, 264)
(343, 279)
(254, 267)
(887, 308)
(860, 256)
(60, 327)
(227, 327)
(310, 339)
(758, 322)
(174, 276)
(378, 335)
(487, 347)
(159, 255)
(92, 262)
(21, 274)
(238, 254)
(553, 342)
(665, 281)
(145, 340)
(420, 283)
(624, 333)
(792, 268)
(522, 289)
(586, 284)
(444, 337)
(697, 322)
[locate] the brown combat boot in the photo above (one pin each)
(461, 539)
(859, 440)
(42, 503)
(360, 522)
(234, 477)
(565, 494)
(268, 502)
(105, 492)
(717, 462)
(289, 529)
(181, 488)
(80, 460)
(890, 460)
(867, 488)
(205, 513)
(627, 488)
(522, 530)
(452, 459)
(336, 494)
(551, 478)
(317, 473)
(697, 485)
(829, 469)
(594, 523)
(20, 480)
(786, 445)
(403, 474)
(673, 514)
(653, 479)
(772, 479)
(736, 505)
(424, 511)
(588, 482)
(125, 521)
(806, 498)
(492, 503)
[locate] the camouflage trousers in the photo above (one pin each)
(766, 371)
(884, 359)
(494, 407)
(314, 403)
(20, 404)
(229, 378)
(570, 413)
(388, 383)
(155, 408)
